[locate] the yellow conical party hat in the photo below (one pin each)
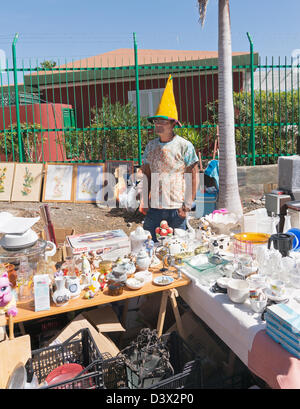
(167, 107)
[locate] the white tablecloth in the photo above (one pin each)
(235, 324)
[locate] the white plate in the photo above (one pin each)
(276, 298)
(163, 280)
(222, 282)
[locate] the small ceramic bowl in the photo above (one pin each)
(238, 290)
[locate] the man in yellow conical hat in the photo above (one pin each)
(170, 164)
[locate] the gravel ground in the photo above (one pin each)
(87, 217)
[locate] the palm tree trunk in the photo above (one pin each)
(229, 196)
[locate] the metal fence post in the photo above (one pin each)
(20, 142)
(252, 136)
(137, 94)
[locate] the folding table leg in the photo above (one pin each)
(162, 313)
(173, 294)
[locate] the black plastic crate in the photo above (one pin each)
(239, 380)
(81, 349)
(189, 378)
(187, 371)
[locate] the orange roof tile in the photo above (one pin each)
(125, 57)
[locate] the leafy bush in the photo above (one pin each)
(113, 134)
(191, 134)
(31, 140)
(276, 130)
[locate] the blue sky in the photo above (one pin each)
(72, 29)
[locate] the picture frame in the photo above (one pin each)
(7, 172)
(122, 175)
(58, 183)
(89, 179)
(27, 182)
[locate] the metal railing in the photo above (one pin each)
(88, 111)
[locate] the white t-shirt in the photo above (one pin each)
(168, 162)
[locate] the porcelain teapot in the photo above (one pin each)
(143, 260)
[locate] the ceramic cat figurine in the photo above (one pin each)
(7, 299)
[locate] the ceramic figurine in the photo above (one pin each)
(149, 244)
(103, 281)
(85, 265)
(204, 224)
(61, 295)
(58, 273)
(94, 260)
(86, 275)
(163, 230)
(95, 285)
(88, 295)
(7, 298)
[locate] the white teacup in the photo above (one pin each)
(258, 305)
(277, 287)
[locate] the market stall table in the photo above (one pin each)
(26, 310)
(244, 333)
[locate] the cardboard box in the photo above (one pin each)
(60, 235)
(103, 342)
(104, 319)
(109, 244)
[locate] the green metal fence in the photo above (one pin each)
(90, 111)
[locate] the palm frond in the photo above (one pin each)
(202, 5)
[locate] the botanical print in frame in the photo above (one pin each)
(58, 183)
(89, 182)
(27, 182)
(7, 170)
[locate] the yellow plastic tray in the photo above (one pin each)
(252, 237)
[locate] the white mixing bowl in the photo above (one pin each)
(238, 290)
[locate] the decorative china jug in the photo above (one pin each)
(137, 239)
(61, 295)
(73, 285)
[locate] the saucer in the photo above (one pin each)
(222, 282)
(163, 280)
(276, 298)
